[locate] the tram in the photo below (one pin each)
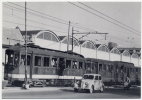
(55, 67)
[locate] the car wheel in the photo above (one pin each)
(75, 90)
(91, 90)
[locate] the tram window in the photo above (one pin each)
(68, 63)
(54, 62)
(46, 61)
(130, 70)
(104, 67)
(111, 69)
(93, 65)
(75, 65)
(80, 65)
(28, 59)
(136, 70)
(100, 67)
(10, 59)
(37, 61)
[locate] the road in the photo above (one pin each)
(68, 93)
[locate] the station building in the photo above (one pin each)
(87, 48)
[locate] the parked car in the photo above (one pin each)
(89, 82)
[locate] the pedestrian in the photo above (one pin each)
(127, 84)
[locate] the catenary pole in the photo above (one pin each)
(68, 36)
(25, 44)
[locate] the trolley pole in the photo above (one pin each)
(68, 37)
(25, 46)
(72, 39)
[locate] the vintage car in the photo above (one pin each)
(89, 82)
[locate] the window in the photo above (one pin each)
(28, 59)
(100, 78)
(93, 65)
(68, 63)
(88, 77)
(46, 61)
(75, 65)
(16, 60)
(104, 67)
(37, 61)
(103, 48)
(54, 38)
(47, 36)
(96, 78)
(80, 65)
(100, 67)
(54, 62)
(40, 36)
(126, 53)
(65, 41)
(134, 55)
(115, 51)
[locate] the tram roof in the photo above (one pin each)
(20, 47)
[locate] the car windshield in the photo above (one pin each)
(88, 77)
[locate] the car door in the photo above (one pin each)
(96, 82)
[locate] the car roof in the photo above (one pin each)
(93, 74)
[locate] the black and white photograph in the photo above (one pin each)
(71, 50)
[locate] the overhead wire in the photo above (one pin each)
(102, 17)
(31, 26)
(59, 20)
(108, 16)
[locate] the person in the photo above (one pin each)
(127, 84)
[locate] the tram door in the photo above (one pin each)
(61, 66)
(96, 67)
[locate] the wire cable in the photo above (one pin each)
(108, 16)
(102, 18)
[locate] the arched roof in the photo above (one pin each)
(64, 39)
(115, 50)
(88, 44)
(135, 55)
(125, 53)
(47, 35)
(102, 47)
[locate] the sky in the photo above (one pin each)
(55, 16)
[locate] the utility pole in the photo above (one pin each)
(25, 45)
(72, 38)
(68, 37)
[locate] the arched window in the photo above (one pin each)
(40, 36)
(103, 48)
(75, 42)
(126, 53)
(134, 55)
(47, 36)
(116, 51)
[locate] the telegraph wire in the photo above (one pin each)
(31, 26)
(60, 20)
(108, 16)
(103, 18)
(35, 21)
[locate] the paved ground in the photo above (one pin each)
(68, 93)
